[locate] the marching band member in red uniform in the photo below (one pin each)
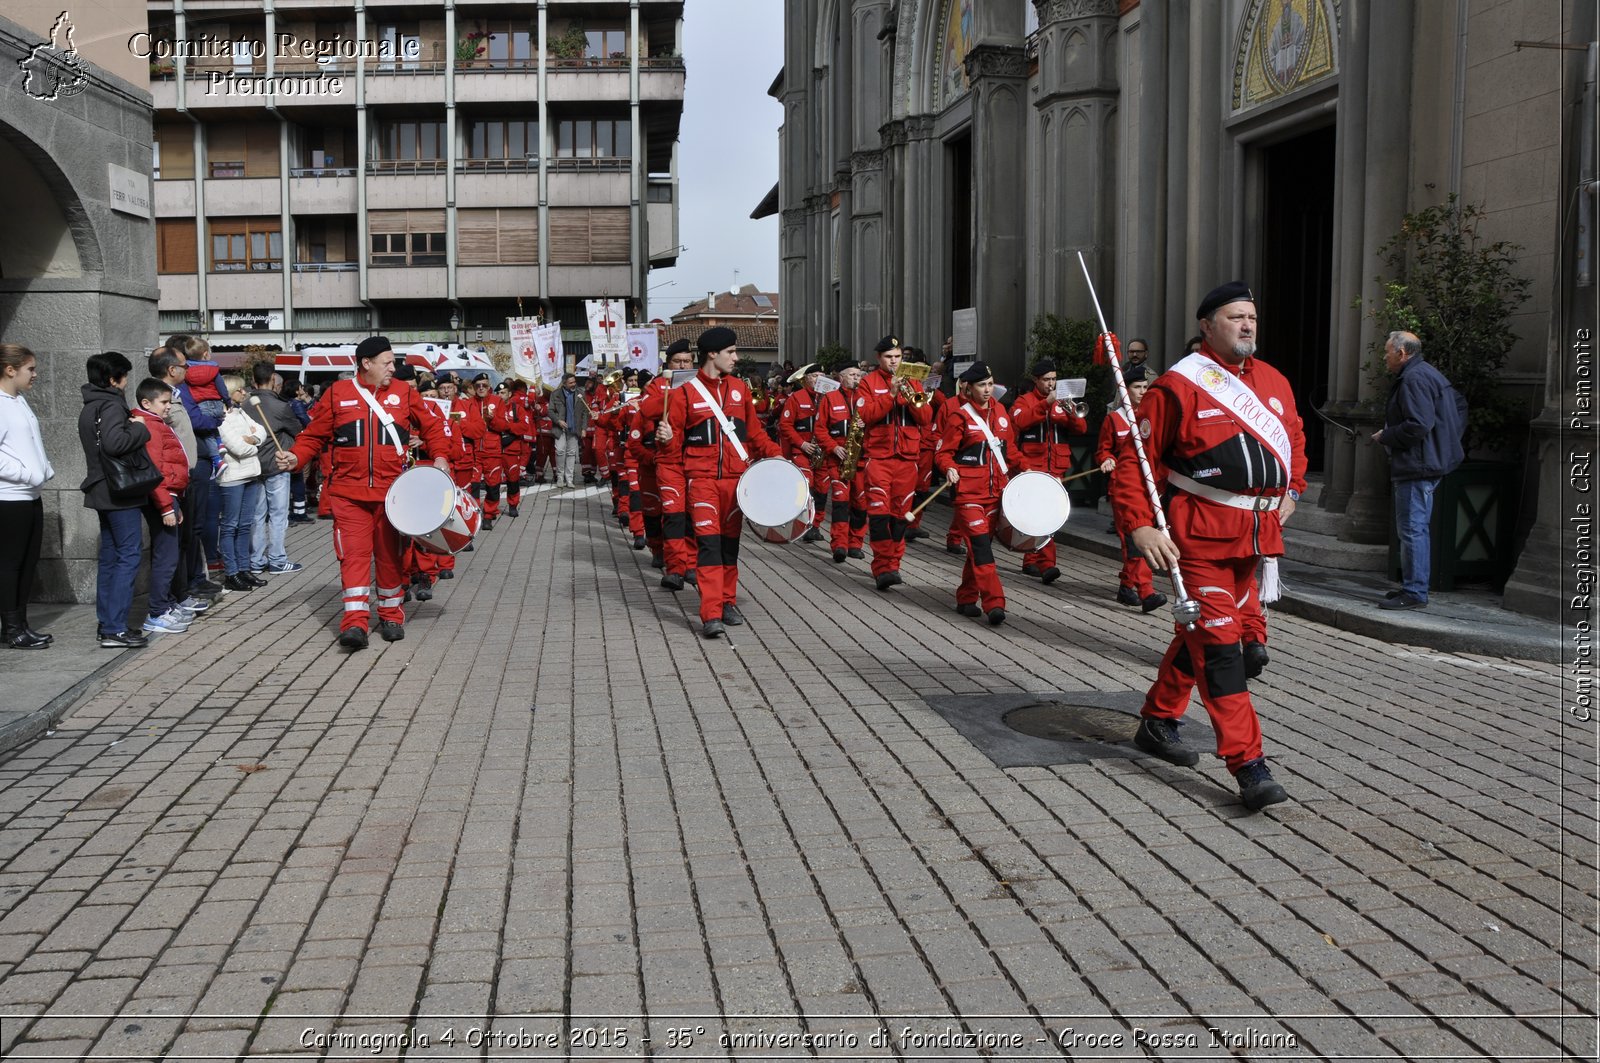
(513, 422)
(367, 422)
(797, 424)
(1222, 426)
(677, 543)
(1134, 583)
(489, 453)
(1043, 426)
(848, 514)
(464, 427)
(976, 448)
(544, 441)
(715, 417)
(895, 424)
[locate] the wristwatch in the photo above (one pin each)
(1294, 496)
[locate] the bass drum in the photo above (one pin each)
(1033, 507)
(425, 504)
(775, 498)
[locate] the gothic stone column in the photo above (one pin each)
(998, 75)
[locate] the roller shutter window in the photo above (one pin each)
(261, 150)
(406, 237)
(176, 251)
(175, 151)
(225, 150)
(506, 236)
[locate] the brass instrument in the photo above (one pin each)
(906, 372)
(799, 375)
(853, 439)
(611, 378)
(758, 390)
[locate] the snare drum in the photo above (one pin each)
(775, 498)
(425, 504)
(1033, 507)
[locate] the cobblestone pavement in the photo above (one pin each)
(553, 822)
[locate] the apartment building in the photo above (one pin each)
(328, 169)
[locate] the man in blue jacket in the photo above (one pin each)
(1422, 431)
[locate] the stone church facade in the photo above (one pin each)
(946, 154)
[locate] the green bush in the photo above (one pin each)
(832, 357)
(1069, 342)
(1456, 292)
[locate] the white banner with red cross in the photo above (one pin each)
(552, 356)
(608, 330)
(644, 349)
(525, 361)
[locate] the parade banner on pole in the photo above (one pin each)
(525, 361)
(607, 330)
(552, 356)
(644, 349)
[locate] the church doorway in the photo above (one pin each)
(1296, 281)
(958, 151)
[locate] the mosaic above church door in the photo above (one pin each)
(1284, 45)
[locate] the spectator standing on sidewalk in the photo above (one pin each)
(271, 521)
(163, 510)
(298, 396)
(1422, 429)
(571, 419)
(189, 584)
(24, 469)
(107, 427)
(240, 483)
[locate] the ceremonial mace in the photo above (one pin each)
(1185, 610)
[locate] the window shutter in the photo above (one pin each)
(608, 234)
(386, 221)
(519, 236)
(261, 150)
(177, 151)
(225, 143)
(569, 236)
(479, 244)
(426, 221)
(175, 246)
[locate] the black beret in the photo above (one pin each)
(445, 378)
(403, 370)
(481, 378)
(1133, 375)
(976, 373)
(888, 343)
(1043, 367)
(645, 376)
(1222, 295)
(427, 383)
(716, 339)
(677, 346)
(372, 346)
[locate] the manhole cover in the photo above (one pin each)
(1059, 721)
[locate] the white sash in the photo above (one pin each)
(722, 419)
(383, 417)
(994, 444)
(1251, 413)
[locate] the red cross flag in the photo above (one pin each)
(644, 349)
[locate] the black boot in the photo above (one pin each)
(14, 632)
(27, 627)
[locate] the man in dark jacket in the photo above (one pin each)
(107, 427)
(1422, 431)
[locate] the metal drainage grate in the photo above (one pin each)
(1061, 721)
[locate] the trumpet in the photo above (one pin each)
(906, 372)
(611, 378)
(758, 390)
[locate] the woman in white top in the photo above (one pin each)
(240, 481)
(23, 470)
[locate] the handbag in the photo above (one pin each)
(133, 475)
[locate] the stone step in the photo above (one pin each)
(1313, 518)
(1326, 551)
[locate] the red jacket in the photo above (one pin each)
(365, 462)
(797, 422)
(963, 446)
(707, 452)
(894, 426)
(651, 407)
(1186, 430)
(166, 453)
(834, 411)
(463, 426)
(1043, 426)
(1114, 436)
(512, 419)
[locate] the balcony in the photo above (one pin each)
(179, 291)
(496, 282)
(576, 190)
(498, 83)
(497, 189)
(228, 196)
(174, 199)
(573, 282)
(416, 83)
(322, 190)
(392, 191)
(573, 81)
(231, 291)
(406, 282)
(326, 284)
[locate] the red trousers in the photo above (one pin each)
(494, 476)
(890, 484)
(980, 581)
(1209, 659)
(515, 463)
(1042, 558)
(849, 509)
(544, 453)
(649, 509)
(635, 498)
(677, 539)
(362, 535)
(714, 512)
(819, 478)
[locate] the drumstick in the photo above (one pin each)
(924, 503)
(255, 400)
(1081, 475)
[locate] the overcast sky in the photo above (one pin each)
(727, 152)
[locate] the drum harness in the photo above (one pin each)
(723, 423)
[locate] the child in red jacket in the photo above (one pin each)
(164, 511)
